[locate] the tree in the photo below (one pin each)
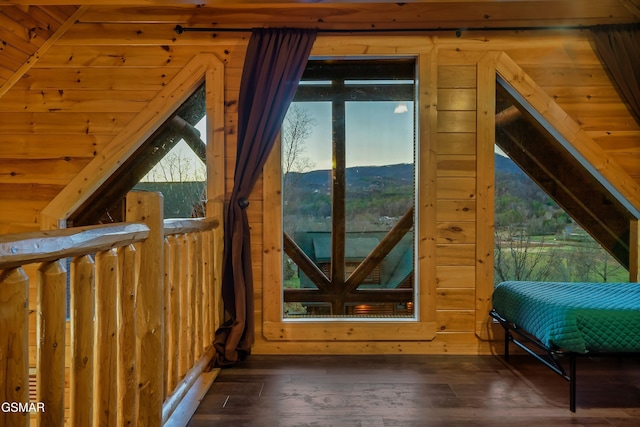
(298, 126)
(588, 262)
(518, 257)
(177, 172)
(177, 166)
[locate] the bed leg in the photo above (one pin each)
(572, 382)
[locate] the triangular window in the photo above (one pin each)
(571, 226)
(171, 161)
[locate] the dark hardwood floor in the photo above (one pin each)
(419, 391)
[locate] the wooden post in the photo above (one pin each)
(634, 251)
(51, 329)
(14, 357)
(127, 380)
(81, 374)
(105, 356)
(216, 175)
(485, 198)
(149, 207)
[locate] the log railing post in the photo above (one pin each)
(51, 330)
(105, 362)
(183, 289)
(149, 207)
(81, 374)
(168, 308)
(191, 298)
(173, 327)
(195, 261)
(14, 357)
(127, 382)
(207, 291)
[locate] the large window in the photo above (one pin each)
(348, 181)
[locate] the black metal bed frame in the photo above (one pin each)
(549, 358)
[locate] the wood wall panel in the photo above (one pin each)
(115, 56)
(456, 76)
(456, 210)
(74, 100)
(455, 276)
(456, 143)
(38, 146)
(64, 123)
(113, 78)
(456, 188)
(39, 171)
(456, 165)
(456, 299)
(455, 320)
(456, 254)
(456, 232)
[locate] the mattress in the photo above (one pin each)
(578, 317)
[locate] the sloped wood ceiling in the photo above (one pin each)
(25, 34)
(74, 74)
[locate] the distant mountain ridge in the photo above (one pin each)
(367, 175)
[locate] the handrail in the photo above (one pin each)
(190, 225)
(43, 246)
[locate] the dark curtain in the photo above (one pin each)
(274, 63)
(619, 48)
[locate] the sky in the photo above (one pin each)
(375, 134)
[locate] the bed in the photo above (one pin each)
(551, 320)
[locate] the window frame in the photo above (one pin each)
(423, 325)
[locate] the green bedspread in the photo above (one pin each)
(579, 317)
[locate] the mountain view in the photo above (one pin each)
(535, 239)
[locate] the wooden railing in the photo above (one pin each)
(144, 303)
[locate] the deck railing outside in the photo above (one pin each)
(144, 304)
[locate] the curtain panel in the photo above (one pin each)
(619, 49)
(274, 63)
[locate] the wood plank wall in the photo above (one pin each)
(95, 79)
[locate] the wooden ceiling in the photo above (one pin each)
(29, 27)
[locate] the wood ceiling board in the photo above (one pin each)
(39, 48)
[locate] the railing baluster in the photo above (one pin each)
(14, 349)
(51, 329)
(166, 286)
(173, 325)
(217, 311)
(191, 290)
(105, 357)
(81, 374)
(206, 284)
(127, 384)
(183, 363)
(198, 276)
